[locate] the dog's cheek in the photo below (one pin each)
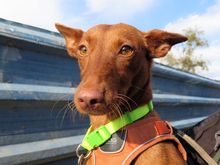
(82, 65)
(141, 72)
(126, 70)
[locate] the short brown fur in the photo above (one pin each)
(113, 83)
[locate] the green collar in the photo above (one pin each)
(102, 134)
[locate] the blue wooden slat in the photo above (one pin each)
(31, 34)
(13, 63)
(167, 72)
(24, 77)
(162, 85)
(17, 67)
(15, 54)
(10, 139)
(14, 154)
(33, 92)
(178, 100)
(186, 123)
(176, 113)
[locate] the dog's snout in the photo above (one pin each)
(89, 98)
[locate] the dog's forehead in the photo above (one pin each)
(117, 29)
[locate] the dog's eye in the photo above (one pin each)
(126, 50)
(83, 50)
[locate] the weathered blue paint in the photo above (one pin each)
(15, 154)
(167, 80)
(28, 67)
(38, 81)
(11, 32)
(35, 92)
(180, 124)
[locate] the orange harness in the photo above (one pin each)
(139, 136)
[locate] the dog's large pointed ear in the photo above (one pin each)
(159, 42)
(72, 37)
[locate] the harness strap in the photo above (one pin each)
(194, 145)
(141, 135)
(216, 158)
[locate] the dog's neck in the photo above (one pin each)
(99, 120)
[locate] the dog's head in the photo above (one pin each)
(115, 63)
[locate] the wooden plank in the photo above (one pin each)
(24, 77)
(26, 152)
(29, 37)
(17, 66)
(167, 72)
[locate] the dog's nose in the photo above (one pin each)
(89, 98)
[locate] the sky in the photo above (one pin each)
(169, 15)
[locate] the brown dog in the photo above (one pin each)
(115, 63)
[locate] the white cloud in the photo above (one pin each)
(44, 13)
(209, 21)
(37, 13)
(117, 10)
(211, 54)
(214, 72)
(210, 24)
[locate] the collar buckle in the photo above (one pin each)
(98, 137)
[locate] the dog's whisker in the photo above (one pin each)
(139, 88)
(116, 110)
(60, 112)
(120, 97)
(57, 102)
(70, 106)
(81, 116)
(112, 111)
(119, 111)
(73, 110)
(129, 99)
(72, 114)
(62, 108)
(69, 103)
(120, 114)
(64, 114)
